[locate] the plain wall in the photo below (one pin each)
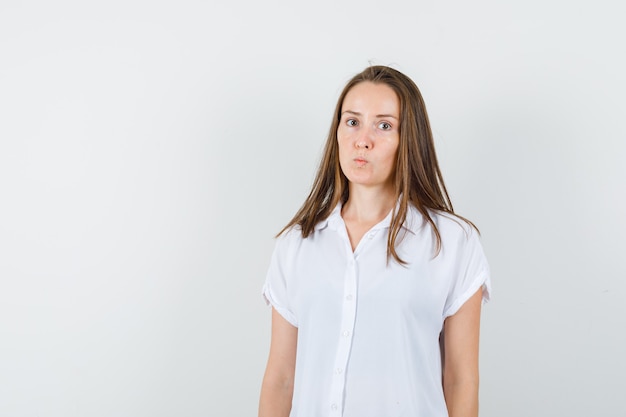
(149, 151)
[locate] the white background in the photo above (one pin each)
(149, 151)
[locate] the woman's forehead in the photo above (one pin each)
(372, 98)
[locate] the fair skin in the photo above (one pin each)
(460, 370)
(368, 138)
(277, 386)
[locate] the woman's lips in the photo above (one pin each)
(360, 161)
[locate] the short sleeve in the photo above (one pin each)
(472, 273)
(275, 289)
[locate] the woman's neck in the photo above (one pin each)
(368, 206)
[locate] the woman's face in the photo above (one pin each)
(369, 134)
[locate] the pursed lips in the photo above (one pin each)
(359, 161)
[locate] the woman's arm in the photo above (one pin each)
(277, 387)
(460, 368)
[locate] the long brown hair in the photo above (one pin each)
(418, 179)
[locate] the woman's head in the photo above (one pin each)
(368, 136)
(416, 162)
(417, 179)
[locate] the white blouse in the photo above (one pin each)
(368, 330)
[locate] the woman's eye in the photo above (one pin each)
(384, 126)
(351, 122)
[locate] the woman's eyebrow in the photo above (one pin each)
(387, 115)
(378, 115)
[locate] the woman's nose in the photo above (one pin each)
(364, 141)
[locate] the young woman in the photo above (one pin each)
(375, 284)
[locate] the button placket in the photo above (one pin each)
(348, 316)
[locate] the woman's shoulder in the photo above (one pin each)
(289, 234)
(449, 225)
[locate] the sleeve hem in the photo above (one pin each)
(482, 280)
(284, 312)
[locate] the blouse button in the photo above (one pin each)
(349, 297)
(346, 333)
(333, 407)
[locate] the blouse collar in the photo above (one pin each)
(413, 222)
